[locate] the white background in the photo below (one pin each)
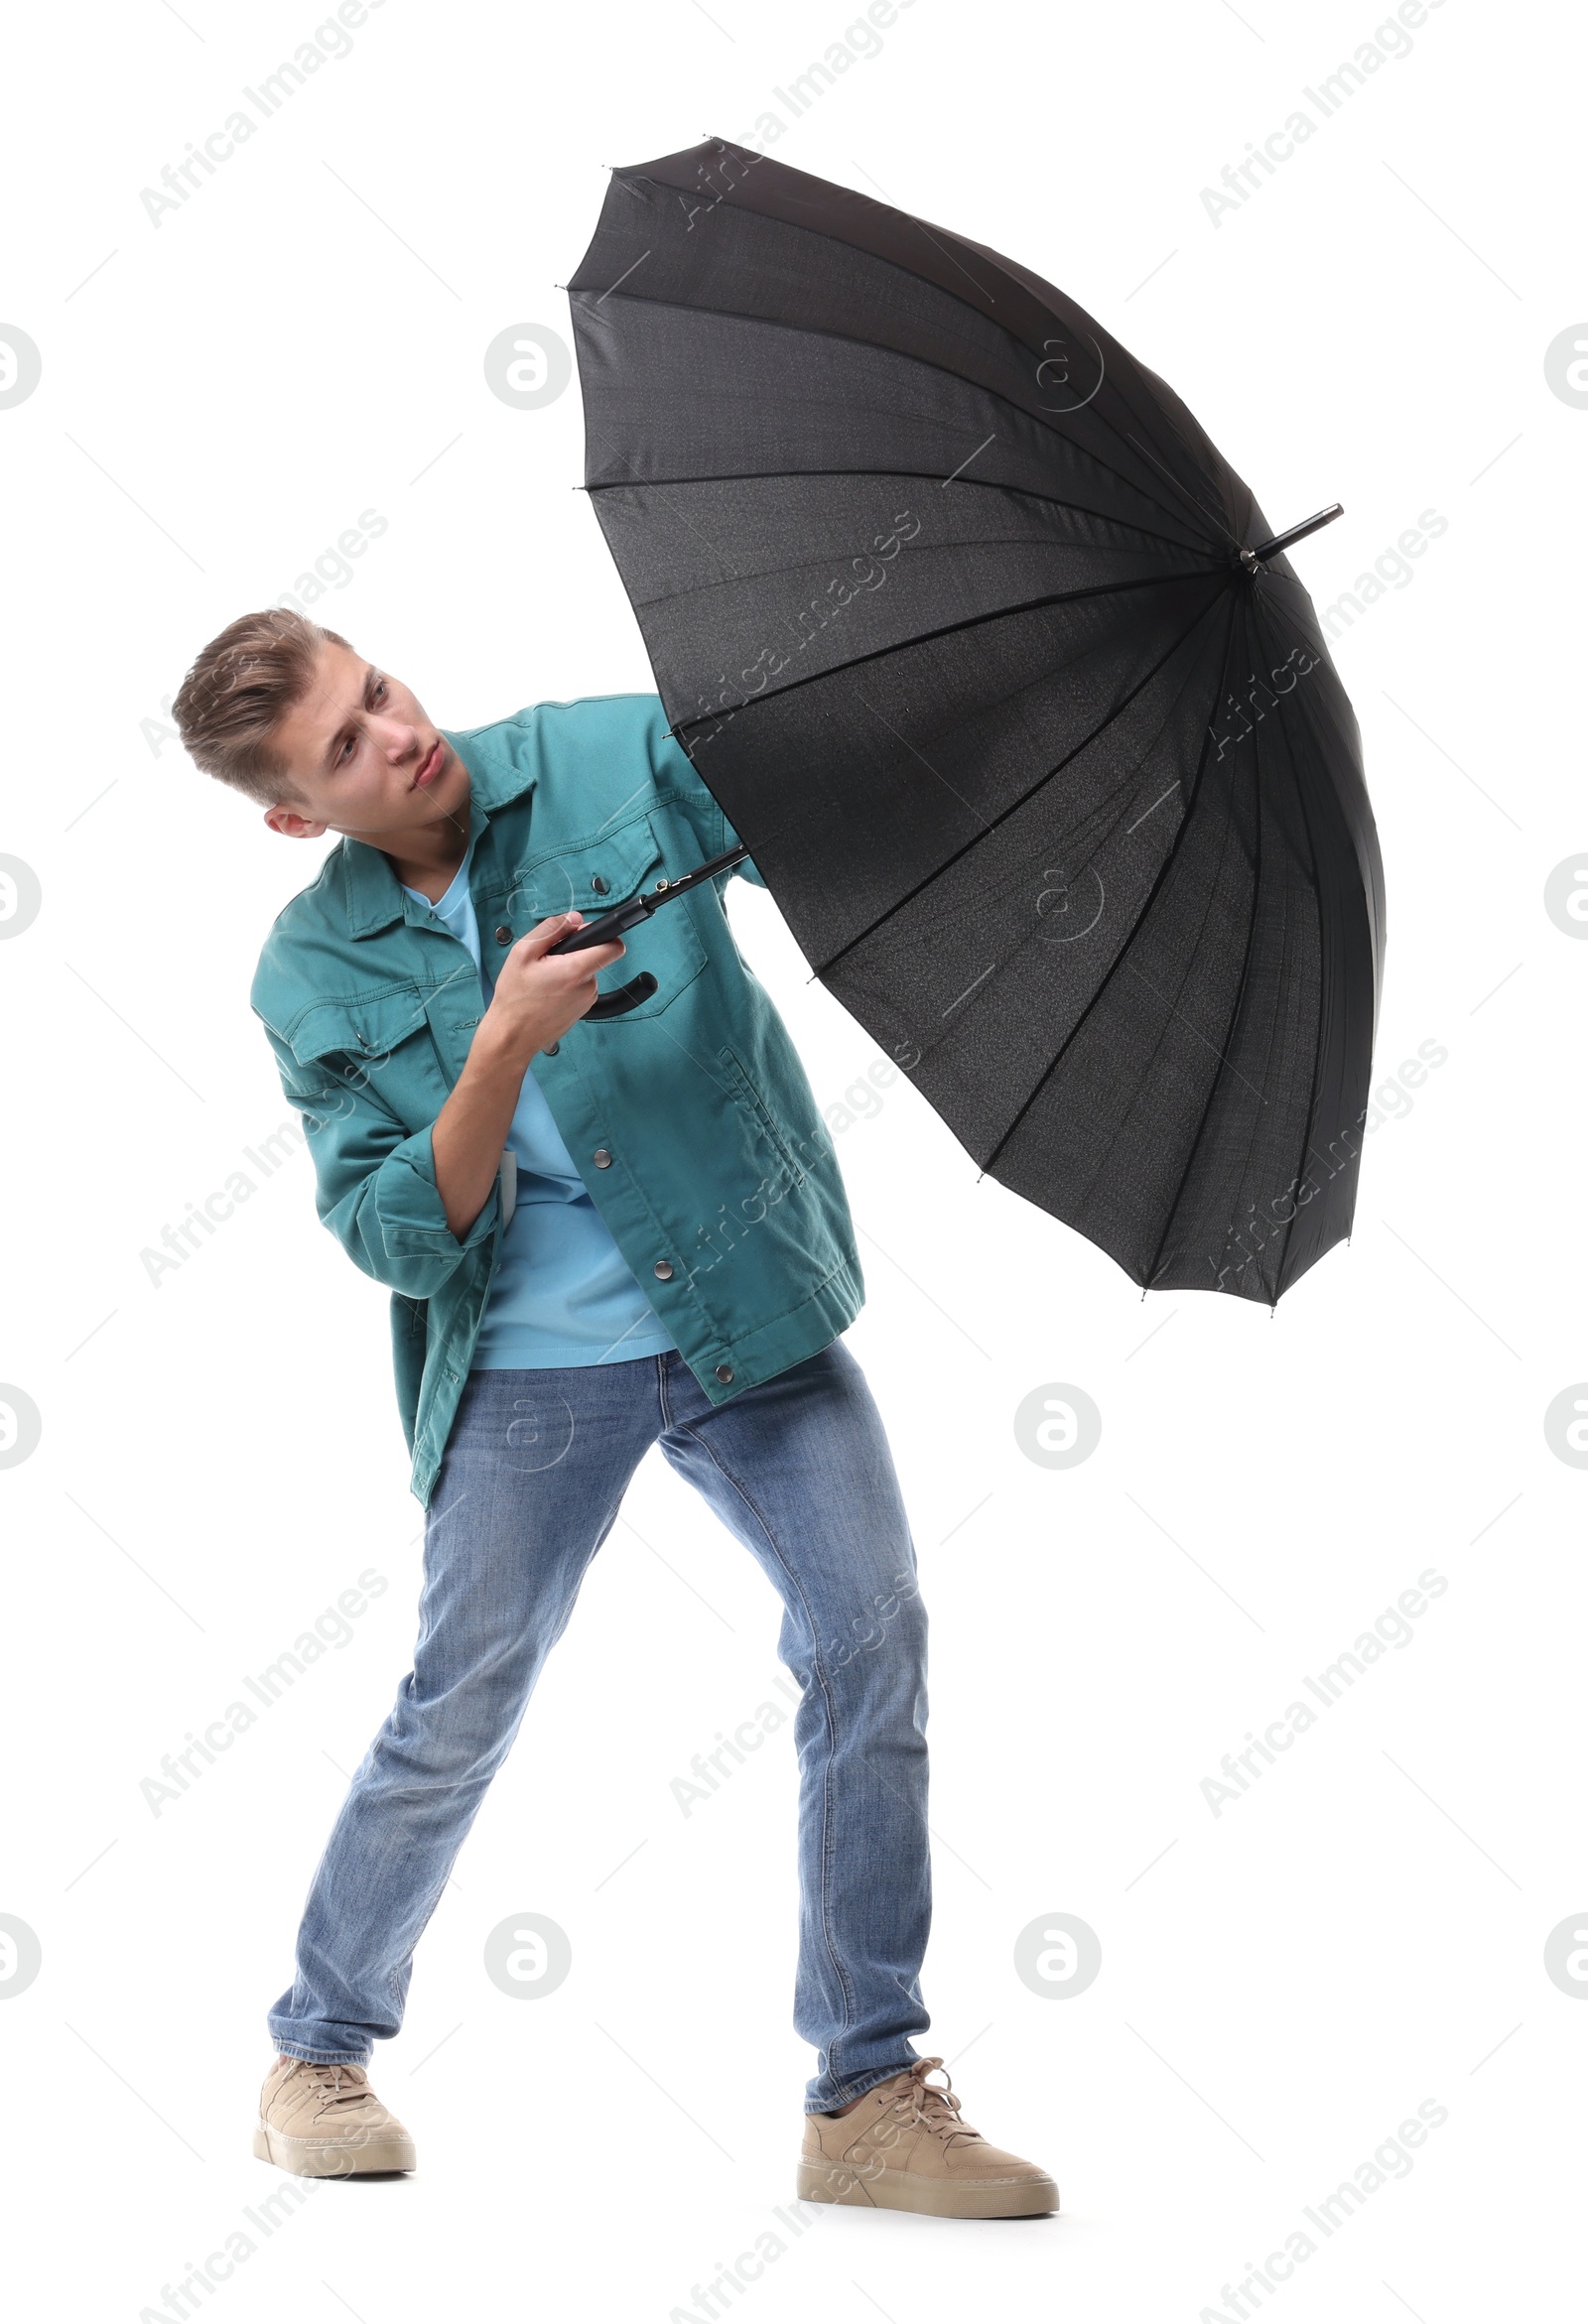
(224, 394)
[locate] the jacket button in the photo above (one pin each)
(663, 1270)
(601, 1159)
(550, 1049)
(600, 885)
(724, 1372)
(504, 934)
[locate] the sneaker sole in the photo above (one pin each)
(315, 2158)
(894, 2190)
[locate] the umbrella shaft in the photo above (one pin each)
(629, 915)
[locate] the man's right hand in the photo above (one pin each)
(540, 994)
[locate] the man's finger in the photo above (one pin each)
(596, 957)
(542, 936)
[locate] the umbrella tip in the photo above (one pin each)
(1254, 559)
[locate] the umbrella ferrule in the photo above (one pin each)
(1254, 559)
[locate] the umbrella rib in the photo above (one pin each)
(1146, 905)
(826, 234)
(1107, 834)
(673, 512)
(1015, 803)
(921, 637)
(1239, 990)
(920, 476)
(1097, 815)
(1011, 273)
(696, 593)
(848, 340)
(1191, 496)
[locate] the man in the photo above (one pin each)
(600, 1231)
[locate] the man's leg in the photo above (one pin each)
(799, 1468)
(534, 1470)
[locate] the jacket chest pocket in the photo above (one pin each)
(591, 877)
(382, 1043)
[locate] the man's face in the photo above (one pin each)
(366, 759)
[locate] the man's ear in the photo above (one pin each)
(292, 824)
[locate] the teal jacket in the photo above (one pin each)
(691, 1118)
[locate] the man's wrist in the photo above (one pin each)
(498, 1047)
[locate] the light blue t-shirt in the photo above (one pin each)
(563, 1292)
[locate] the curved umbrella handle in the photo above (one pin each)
(620, 1002)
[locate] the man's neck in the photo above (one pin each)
(428, 859)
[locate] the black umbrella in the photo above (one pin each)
(1028, 726)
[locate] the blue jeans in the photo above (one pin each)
(535, 1467)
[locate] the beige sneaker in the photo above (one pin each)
(325, 2122)
(904, 2147)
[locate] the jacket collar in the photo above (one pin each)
(374, 893)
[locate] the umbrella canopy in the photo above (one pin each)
(956, 610)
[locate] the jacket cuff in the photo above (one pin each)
(409, 1208)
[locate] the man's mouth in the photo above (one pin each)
(430, 765)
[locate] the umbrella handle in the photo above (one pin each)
(626, 996)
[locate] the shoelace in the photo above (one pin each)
(333, 2084)
(924, 2102)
